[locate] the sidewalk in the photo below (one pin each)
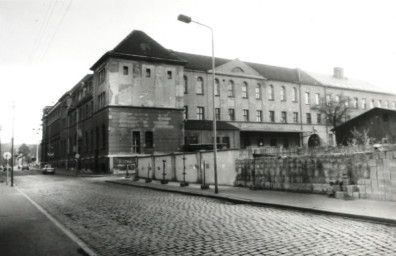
(382, 211)
(26, 230)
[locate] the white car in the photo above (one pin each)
(48, 169)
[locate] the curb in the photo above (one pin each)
(256, 203)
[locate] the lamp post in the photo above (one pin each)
(37, 130)
(187, 19)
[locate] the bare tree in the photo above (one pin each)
(334, 109)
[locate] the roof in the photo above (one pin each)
(139, 45)
(207, 125)
(344, 83)
(366, 114)
(204, 63)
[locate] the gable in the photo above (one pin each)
(237, 68)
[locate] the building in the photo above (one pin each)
(143, 99)
(377, 124)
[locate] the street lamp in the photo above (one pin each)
(187, 19)
(37, 130)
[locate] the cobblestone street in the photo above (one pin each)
(124, 220)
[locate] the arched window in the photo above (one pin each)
(294, 94)
(217, 87)
(283, 93)
(258, 91)
(245, 93)
(185, 84)
(199, 86)
(230, 88)
(271, 92)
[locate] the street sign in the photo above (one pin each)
(7, 155)
(77, 156)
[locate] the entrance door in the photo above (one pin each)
(314, 141)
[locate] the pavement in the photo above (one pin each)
(27, 229)
(378, 211)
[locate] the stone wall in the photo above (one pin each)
(370, 175)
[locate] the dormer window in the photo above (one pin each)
(125, 70)
(148, 72)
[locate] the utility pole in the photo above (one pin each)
(12, 146)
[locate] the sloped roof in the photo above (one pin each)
(365, 114)
(207, 125)
(344, 83)
(204, 63)
(140, 46)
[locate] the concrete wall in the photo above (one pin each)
(194, 164)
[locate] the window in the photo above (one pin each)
(148, 72)
(379, 103)
(337, 98)
(230, 88)
(136, 142)
(185, 84)
(226, 141)
(169, 74)
(319, 118)
(149, 139)
(328, 100)
(217, 110)
(284, 117)
(258, 91)
(295, 117)
(271, 92)
(364, 104)
(309, 120)
(272, 116)
(185, 113)
(294, 94)
(101, 100)
(355, 102)
(317, 98)
(245, 90)
(217, 87)
(125, 70)
(192, 139)
(200, 113)
(199, 86)
(393, 105)
(245, 115)
(103, 136)
(231, 114)
(371, 103)
(259, 116)
(346, 101)
(386, 104)
(273, 142)
(283, 94)
(307, 100)
(102, 75)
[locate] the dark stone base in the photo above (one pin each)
(148, 180)
(184, 184)
(136, 178)
(204, 186)
(164, 182)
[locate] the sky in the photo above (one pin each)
(47, 46)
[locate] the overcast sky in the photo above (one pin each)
(47, 46)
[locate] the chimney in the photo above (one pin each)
(338, 73)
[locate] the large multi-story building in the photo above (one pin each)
(144, 99)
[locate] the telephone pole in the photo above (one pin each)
(12, 146)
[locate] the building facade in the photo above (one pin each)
(144, 99)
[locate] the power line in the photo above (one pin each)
(47, 17)
(56, 31)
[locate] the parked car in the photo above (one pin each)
(25, 167)
(48, 169)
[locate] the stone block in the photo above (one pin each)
(369, 190)
(346, 181)
(356, 195)
(387, 175)
(381, 185)
(339, 195)
(373, 172)
(380, 174)
(286, 186)
(362, 188)
(360, 182)
(350, 189)
(367, 181)
(372, 163)
(362, 195)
